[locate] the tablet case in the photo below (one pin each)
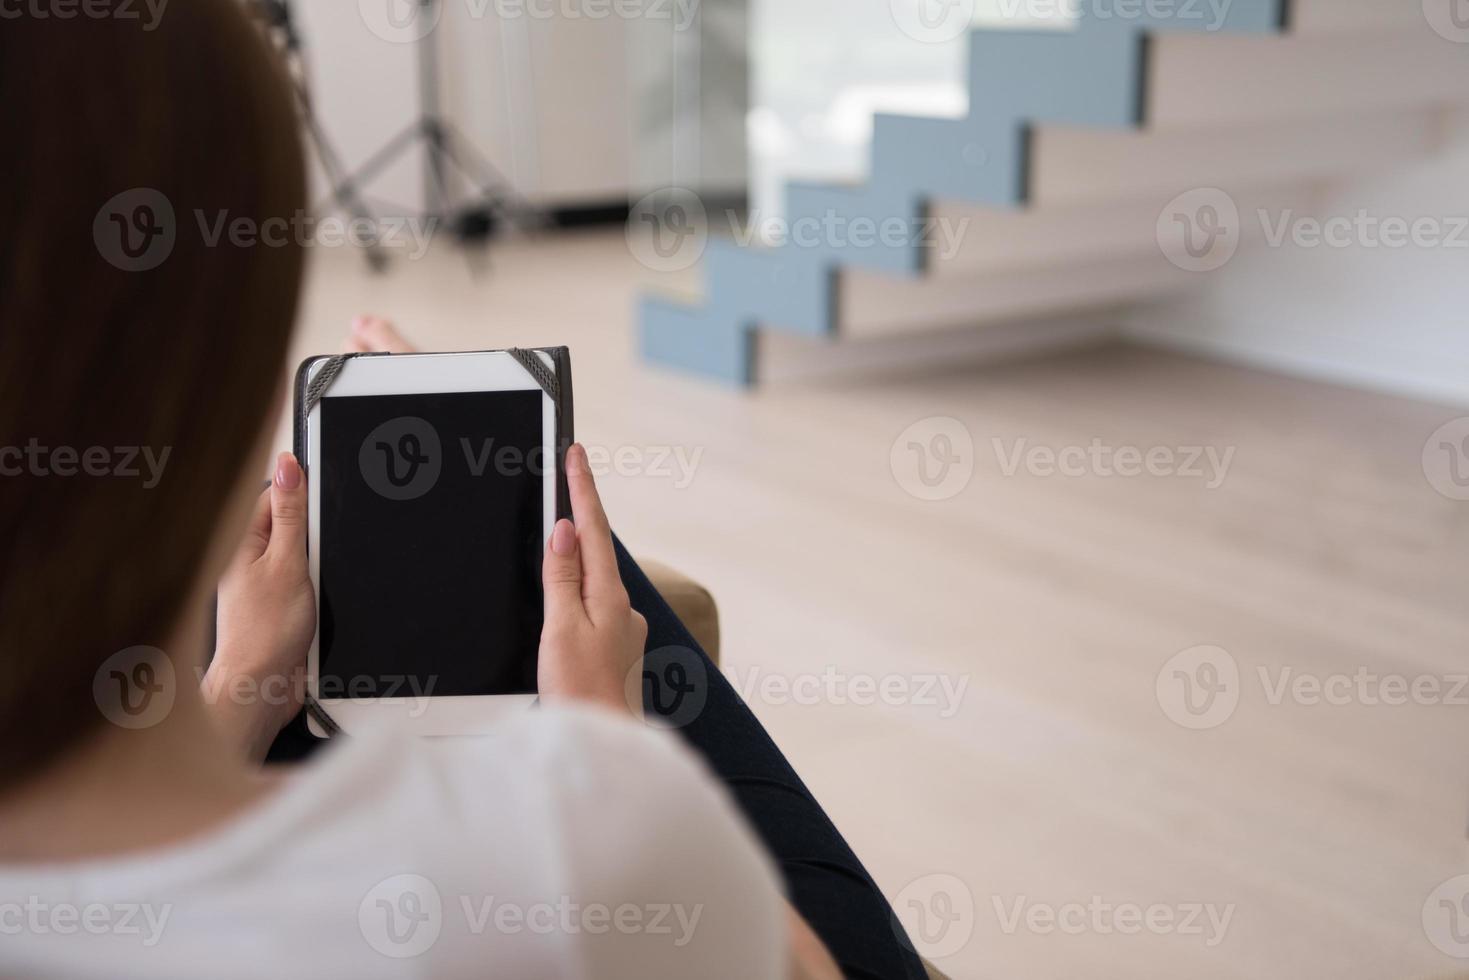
(557, 385)
(309, 389)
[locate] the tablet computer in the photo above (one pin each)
(434, 481)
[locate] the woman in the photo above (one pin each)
(144, 841)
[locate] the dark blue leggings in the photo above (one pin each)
(825, 881)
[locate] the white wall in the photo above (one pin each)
(1395, 319)
(822, 68)
(565, 105)
(364, 91)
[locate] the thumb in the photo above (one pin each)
(287, 508)
(561, 572)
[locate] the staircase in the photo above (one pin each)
(1049, 191)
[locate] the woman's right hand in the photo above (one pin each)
(592, 640)
(592, 644)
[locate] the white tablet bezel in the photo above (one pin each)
(411, 374)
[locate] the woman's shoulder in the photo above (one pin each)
(520, 847)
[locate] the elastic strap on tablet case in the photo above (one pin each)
(536, 368)
(332, 366)
(325, 375)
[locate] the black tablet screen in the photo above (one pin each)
(430, 540)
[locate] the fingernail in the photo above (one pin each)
(576, 458)
(287, 472)
(563, 538)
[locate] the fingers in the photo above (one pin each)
(561, 573)
(287, 509)
(600, 577)
(257, 532)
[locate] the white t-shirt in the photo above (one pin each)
(569, 844)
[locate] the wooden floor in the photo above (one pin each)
(1059, 780)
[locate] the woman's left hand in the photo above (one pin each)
(266, 619)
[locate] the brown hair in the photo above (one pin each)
(112, 341)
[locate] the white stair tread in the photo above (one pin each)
(1198, 80)
(876, 305)
(1016, 241)
(1335, 16)
(1076, 166)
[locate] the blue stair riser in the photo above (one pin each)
(1094, 74)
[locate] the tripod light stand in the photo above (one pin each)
(446, 149)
